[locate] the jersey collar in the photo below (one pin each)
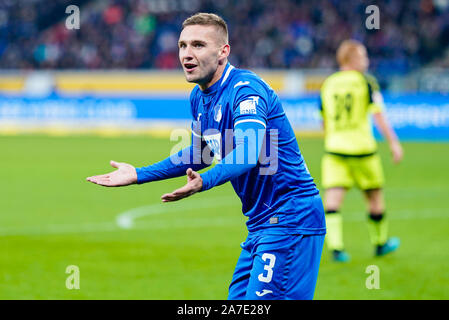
(227, 70)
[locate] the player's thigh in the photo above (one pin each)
(240, 278)
(335, 172)
(285, 267)
(368, 172)
(303, 277)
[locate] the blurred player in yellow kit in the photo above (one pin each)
(348, 99)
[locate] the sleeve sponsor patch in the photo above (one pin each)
(249, 106)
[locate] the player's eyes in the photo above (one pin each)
(195, 45)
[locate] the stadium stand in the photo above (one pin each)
(142, 34)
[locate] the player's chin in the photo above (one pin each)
(191, 77)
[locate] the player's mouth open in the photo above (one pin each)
(189, 66)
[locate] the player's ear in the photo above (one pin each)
(225, 51)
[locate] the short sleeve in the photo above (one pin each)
(376, 101)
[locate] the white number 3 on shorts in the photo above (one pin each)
(269, 267)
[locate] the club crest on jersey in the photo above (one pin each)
(217, 113)
(214, 143)
(249, 106)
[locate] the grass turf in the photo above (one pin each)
(50, 218)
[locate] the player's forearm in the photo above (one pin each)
(242, 159)
(222, 172)
(385, 129)
(172, 167)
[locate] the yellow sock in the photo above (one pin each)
(334, 234)
(378, 229)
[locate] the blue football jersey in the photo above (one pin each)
(278, 194)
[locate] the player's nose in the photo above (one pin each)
(186, 54)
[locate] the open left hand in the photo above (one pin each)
(397, 152)
(194, 184)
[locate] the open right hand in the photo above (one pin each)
(123, 176)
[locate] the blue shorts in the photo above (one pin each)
(277, 267)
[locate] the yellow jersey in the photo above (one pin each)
(348, 98)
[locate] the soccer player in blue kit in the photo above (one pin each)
(286, 226)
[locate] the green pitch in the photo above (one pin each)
(128, 245)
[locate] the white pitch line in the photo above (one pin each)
(126, 219)
(187, 222)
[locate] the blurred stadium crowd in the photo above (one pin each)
(142, 34)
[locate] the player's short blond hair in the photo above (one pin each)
(208, 19)
(346, 49)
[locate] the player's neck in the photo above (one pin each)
(348, 67)
(217, 75)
